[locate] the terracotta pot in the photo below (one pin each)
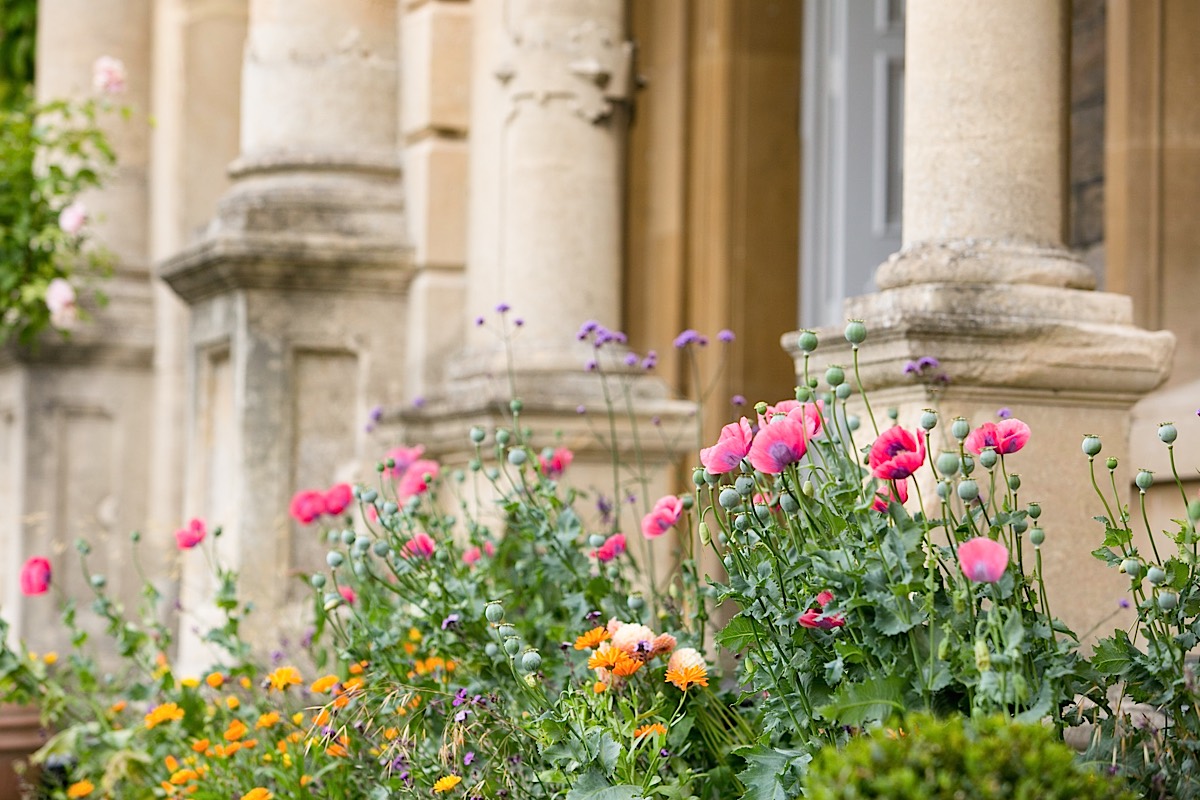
(20, 735)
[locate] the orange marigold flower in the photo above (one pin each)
(257, 793)
(245, 683)
(167, 712)
(356, 669)
(215, 680)
(284, 677)
(80, 789)
(687, 676)
(599, 687)
(323, 684)
(236, 730)
(117, 707)
(171, 763)
(654, 727)
(182, 776)
(606, 657)
(626, 665)
(446, 783)
(268, 720)
(200, 745)
(592, 639)
(232, 702)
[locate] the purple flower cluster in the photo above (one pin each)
(688, 337)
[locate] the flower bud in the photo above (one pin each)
(959, 428)
(474, 465)
(531, 660)
(988, 458)
(856, 332)
(1144, 479)
(1036, 537)
(803, 394)
(1167, 600)
(929, 419)
(807, 341)
(1167, 433)
(893, 413)
(99, 581)
(834, 376)
(135, 536)
(1156, 575)
(494, 612)
(729, 498)
(698, 477)
(517, 457)
(947, 463)
(983, 658)
(515, 406)
(808, 489)
(332, 601)
(1034, 510)
(812, 383)
(1091, 445)
(705, 536)
(492, 473)
(1111, 463)
(334, 559)
(1193, 510)
(478, 434)
(968, 490)
(1014, 482)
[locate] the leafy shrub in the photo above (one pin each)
(931, 759)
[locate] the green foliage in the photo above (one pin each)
(18, 42)
(989, 758)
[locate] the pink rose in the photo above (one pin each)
(60, 301)
(108, 75)
(35, 576)
(337, 499)
(192, 535)
(72, 218)
(665, 513)
(897, 454)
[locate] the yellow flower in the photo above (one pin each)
(284, 677)
(232, 702)
(654, 727)
(183, 776)
(257, 793)
(190, 683)
(245, 682)
(592, 639)
(215, 680)
(599, 687)
(686, 676)
(606, 657)
(167, 712)
(323, 685)
(80, 789)
(298, 718)
(50, 658)
(267, 720)
(446, 783)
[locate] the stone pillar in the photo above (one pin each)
(985, 285)
(296, 295)
(550, 94)
(74, 459)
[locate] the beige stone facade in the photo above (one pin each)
(331, 192)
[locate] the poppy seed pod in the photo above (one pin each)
(959, 428)
(835, 376)
(968, 490)
(1144, 479)
(856, 332)
(1167, 433)
(807, 341)
(929, 419)
(1091, 445)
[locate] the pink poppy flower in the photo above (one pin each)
(403, 457)
(421, 544)
(35, 576)
(982, 560)
(192, 535)
(1006, 436)
(784, 440)
(472, 555)
(557, 463)
(897, 453)
(307, 505)
(665, 514)
(732, 446)
(489, 549)
(347, 594)
(824, 598)
(72, 219)
(413, 481)
(892, 492)
(338, 499)
(613, 546)
(815, 619)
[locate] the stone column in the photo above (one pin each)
(296, 294)
(550, 94)
(73, 456)
(984, 283)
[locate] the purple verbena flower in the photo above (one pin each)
(1004, 413)
(738, 400)
(502, 308)
(468, 758)
(685, 338)
(631, 359)
(725, 336)
(450, 622)
(927, 362)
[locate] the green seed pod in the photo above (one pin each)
(688, 502)
(1156, 575)
(856, 332)
(531, 660)
(317, 581)
(348, 537)
(502, 437)
(1167, 433)
(390, 508)
(843, 391)
(742, 522)
(835, 376)
(1167, 600)
(474, 465)
(596, 540)
(491, 649)
(1131, 567)
(369, 496)
(507, 632)
(929, 419)
(492, 473)
(515, 406)
(893, 413)
(712, 479)
(1020, 526)
(853, 422)
(512, 645)
(334, 559)
(99, 581)
(1037, 536)
(135, 536)
(517, 457)
(959, 428)
(788, 503)
(947, 463)
(729, 498)
(1111, 463)
(812, 383)
(382, 548)
(744, 485)
(968, 464)
(807, 341)
(988, 458)
(698, 477)
(1014, 482)
(1091, 445)
(361, 546)
(943, 489)
(1034, 510)
(968, 490)
(635, 602)
(478, 434)
(1144, 479)
(494, 612)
